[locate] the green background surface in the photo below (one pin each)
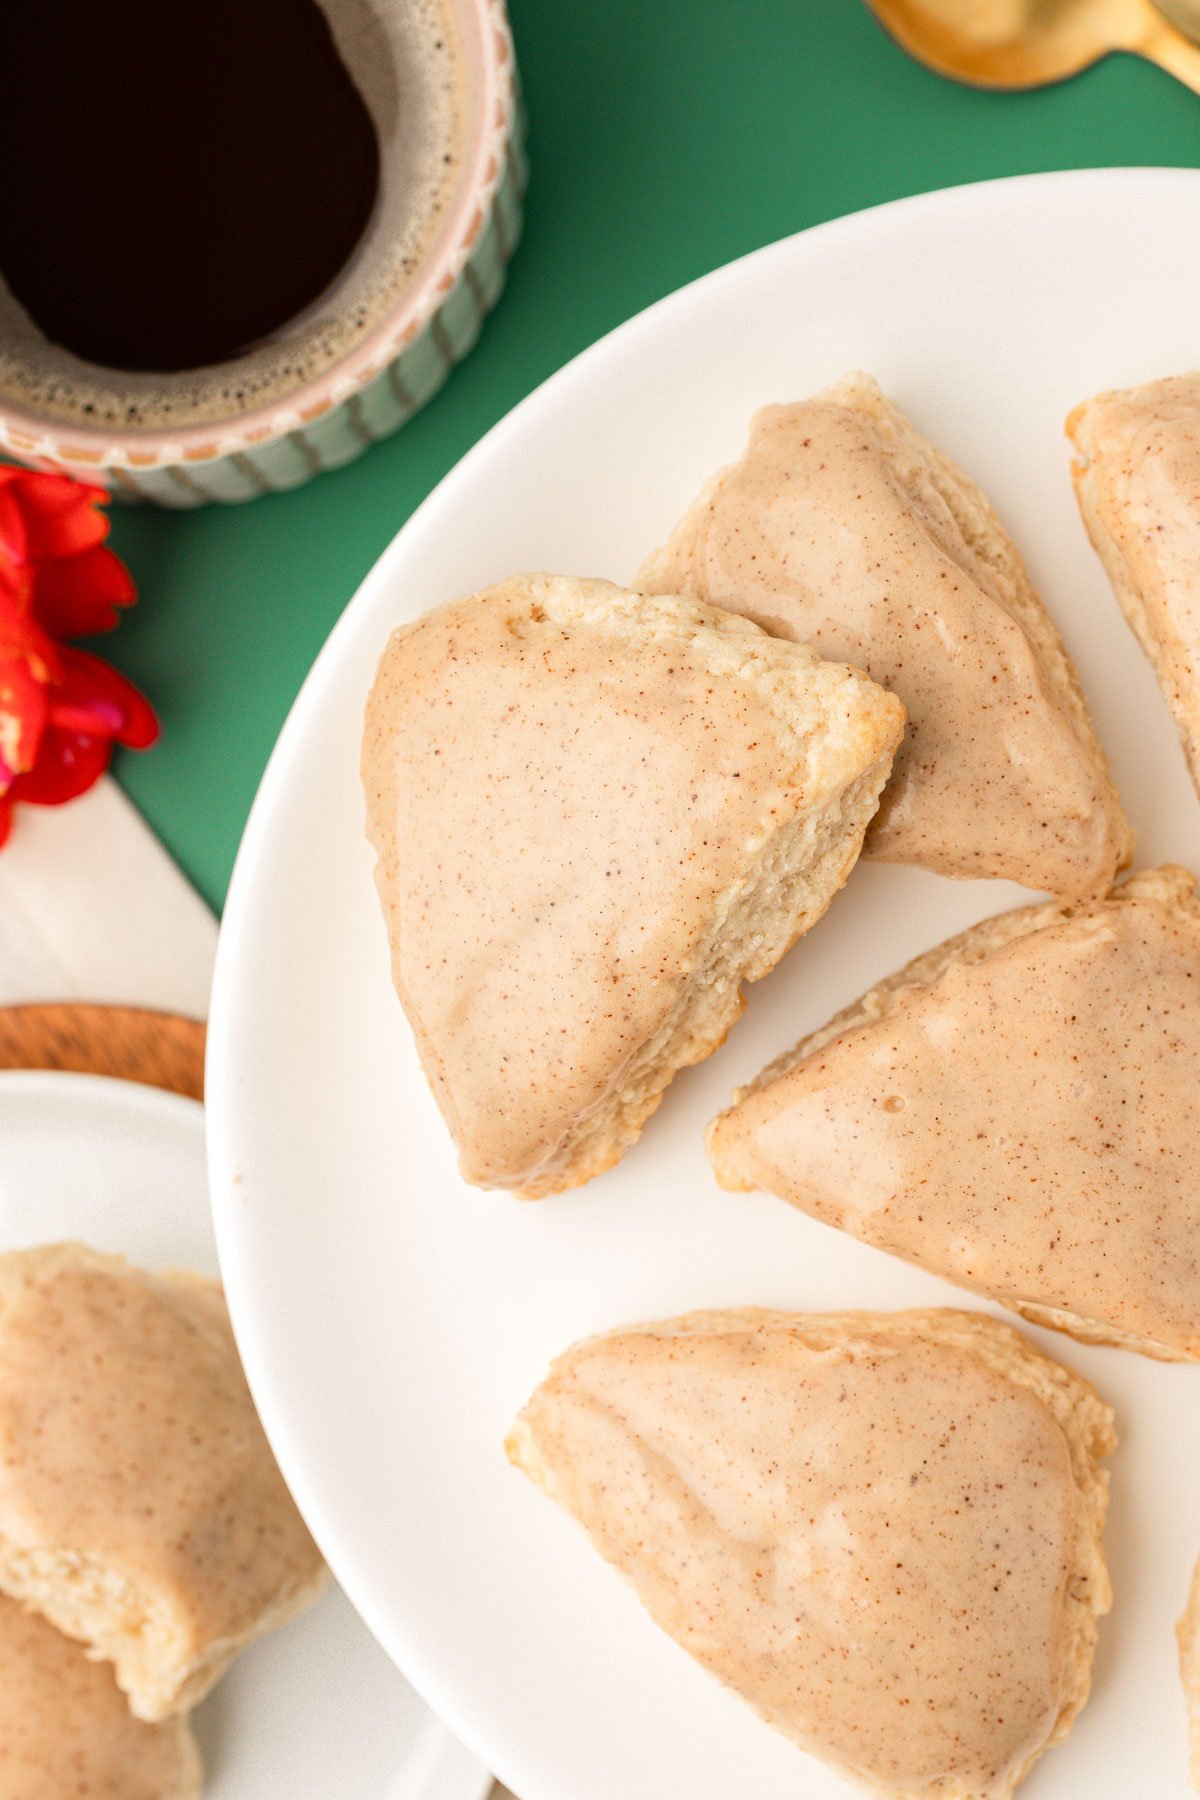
(667, 136)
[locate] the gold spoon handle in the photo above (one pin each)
(1162, 44)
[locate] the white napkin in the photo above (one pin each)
(93, 908)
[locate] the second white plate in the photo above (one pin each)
(317, 1711)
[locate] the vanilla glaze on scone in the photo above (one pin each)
(881, 1530)
(843, 528)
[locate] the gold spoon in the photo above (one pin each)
(1027, 43)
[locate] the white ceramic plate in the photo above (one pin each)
(317, 1710)
(393, 1320)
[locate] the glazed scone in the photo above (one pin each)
(596, 815)
(1188, 1633)
(66, 1730)
(1137, 480)
(1019, 1111)
(881, 1530)
(141, 1510)
(843, 528)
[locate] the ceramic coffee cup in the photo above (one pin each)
(360, 362)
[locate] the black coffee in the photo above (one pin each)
(178, 178)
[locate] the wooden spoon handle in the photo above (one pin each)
(1162, 44)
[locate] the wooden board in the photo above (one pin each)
(161, 1049)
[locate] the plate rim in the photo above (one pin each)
(401, 1642)
(132, 1100)
(113, 1088)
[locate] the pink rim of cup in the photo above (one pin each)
(379, 384)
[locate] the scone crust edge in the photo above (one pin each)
(983, 540)
(843, 730)
(1085, 1420)
(1089, 481)
(1169, 886)
(184, 1684)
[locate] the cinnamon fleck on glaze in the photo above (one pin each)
(66, 1730)
(881, 1531)
(567, 786)
(1137, 477)
(1019, 1111)
(843, 528)
(129, 1441)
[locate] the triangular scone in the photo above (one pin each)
(843, 528)
(1188, 1634)
(596, 815)
(1019, 1111)
(1137, 479)
(66, 1731)
(881, 1530)
(141, 1510)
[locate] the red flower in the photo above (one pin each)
(61, 710)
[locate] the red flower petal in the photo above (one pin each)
(24, 708)
(77, 596)
(67, 765)
(61, 709)
(23, 638)
(16, 584)
(62, 517)
(14, 542)
(93, 696)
